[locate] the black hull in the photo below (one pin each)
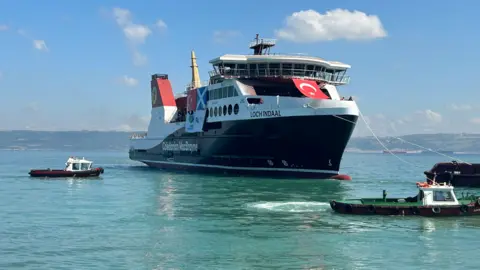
(456, 180)
(301, 146)
(62, 173)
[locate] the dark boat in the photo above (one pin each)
(75, 167)
(263, 114)
(456, 173)
(433, 199)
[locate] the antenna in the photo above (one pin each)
(261, 46)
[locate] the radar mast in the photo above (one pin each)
(261, 46)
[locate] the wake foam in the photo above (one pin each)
(292, 207)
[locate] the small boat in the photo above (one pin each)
(433, 199)
(74, 167)
(459, 174)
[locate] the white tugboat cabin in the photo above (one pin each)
(75, 164)
(435, 194)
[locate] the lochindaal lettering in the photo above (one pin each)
(270, 113)
(181, 146)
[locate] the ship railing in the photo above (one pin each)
(264, 41)
(190, 85)
(138, 136)
(278, 72)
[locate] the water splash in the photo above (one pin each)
(292, 207)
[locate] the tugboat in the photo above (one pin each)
(433, 199)
(74, 167)
(259, 114)
(459, 174)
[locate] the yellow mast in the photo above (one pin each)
(195, 76)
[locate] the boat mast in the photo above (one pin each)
(195, 75)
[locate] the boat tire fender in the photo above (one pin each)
(415, 210)
(348, 208)
(464, 208)
(436, 210)
(371, 209)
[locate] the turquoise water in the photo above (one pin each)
(139, 218)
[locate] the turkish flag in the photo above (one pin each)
(192, 100)
(309, 89)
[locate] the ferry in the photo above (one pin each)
(261, 114)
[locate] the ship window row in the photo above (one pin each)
(223, 111)
(280, 69)
(224, 92)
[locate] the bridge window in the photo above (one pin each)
(443, 196)
(242, 70)
(262, 69)
(287, 69)
(252, 68)
(274, 69)
(298, 69)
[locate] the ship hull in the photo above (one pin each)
(296, 146)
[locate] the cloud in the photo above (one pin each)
(475, 120)
(129, 81)
(461, 107)
(40, 45)
(135, 34)
(134, 123)
(161, 25)
(224, 36)
(432, 116)
(308, 26)
(3, 27)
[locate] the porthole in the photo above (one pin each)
(220, 111)
(230, 109)
(236, 108)
(215, 111)
(211, 111)
(224, 110)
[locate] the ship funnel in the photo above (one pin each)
(195, 76)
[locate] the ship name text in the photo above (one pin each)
(179, 146)
(269, 113)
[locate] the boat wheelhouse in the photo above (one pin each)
(256, 114)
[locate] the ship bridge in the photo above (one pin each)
(262, 64)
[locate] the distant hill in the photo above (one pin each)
(438, 142)
(116, 140)
(64, 140)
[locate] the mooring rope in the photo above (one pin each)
(380, 142)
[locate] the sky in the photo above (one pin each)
(71, 65)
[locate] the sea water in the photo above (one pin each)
(134, 217)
